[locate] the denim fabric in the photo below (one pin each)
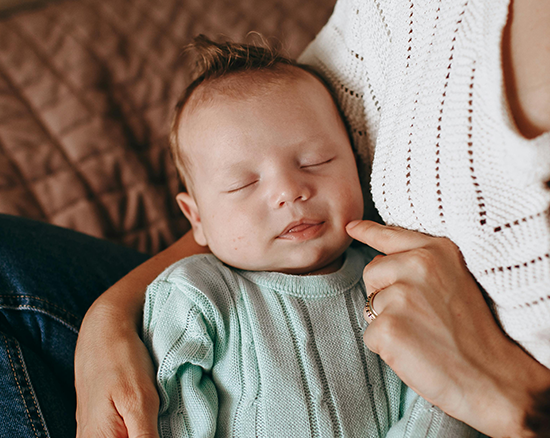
(49, 276)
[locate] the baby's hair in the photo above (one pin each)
(214, 63)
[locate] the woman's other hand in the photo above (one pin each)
(114, 378)
(435, 330)
(114, 375)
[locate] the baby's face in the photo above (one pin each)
(274, 179)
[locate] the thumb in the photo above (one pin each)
(142, 425)
(386, 239)
(141, 416)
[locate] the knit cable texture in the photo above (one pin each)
(250, 354)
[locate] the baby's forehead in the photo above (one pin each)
(234, 100)
(246, 85)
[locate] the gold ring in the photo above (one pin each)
(369, 306)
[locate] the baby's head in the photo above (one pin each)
(270, 173)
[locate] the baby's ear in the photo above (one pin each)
(189, 208)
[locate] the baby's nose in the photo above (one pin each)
(290, 191)
(286, 199)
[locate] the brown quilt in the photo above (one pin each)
(86, 92)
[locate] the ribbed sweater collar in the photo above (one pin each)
(312, 286)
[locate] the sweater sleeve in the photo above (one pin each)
(180, 338)
(421, 419)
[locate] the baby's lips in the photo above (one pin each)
(298, 225)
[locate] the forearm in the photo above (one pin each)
(114, 374)
(506, 395)
(526, 64)
(123, 302)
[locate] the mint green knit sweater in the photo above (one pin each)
(264, 354)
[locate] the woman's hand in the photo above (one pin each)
(437, 333)
(114, 374)
(114, 378)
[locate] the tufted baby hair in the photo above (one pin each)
(227, 68)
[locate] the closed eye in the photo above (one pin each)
(317, 164)
(238, 189)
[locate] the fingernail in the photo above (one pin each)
(352, 224)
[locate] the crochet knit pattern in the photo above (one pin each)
(421, 85)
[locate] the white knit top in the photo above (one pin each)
(421, 85)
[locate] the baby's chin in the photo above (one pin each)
(329, 268)
(317, 268)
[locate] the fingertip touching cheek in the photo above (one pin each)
(274, 177)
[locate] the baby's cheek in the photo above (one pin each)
(237, 242)
(235, 251)
(353, 202)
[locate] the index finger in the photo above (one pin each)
(386, 239)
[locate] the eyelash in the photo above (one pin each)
(317, 164)
(242, 187)
(238, 189)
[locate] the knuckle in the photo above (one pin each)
(369, 340)
(371, 265)
(401, 296)
(388, 332)
(422, 261)
(388, 357)
(368, 277)
(453, 250)
(139, 399)
(386, 328)
(383, 335)
(448, 248)
(447, 244)
(372, 271)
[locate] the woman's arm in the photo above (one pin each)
(436, 332)
(114, 375)
(526, 65)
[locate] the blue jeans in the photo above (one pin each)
(49, 276)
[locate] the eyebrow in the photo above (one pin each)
(241, 165)
(232, 170)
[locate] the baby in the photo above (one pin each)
(263, 337)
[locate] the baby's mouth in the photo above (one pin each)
(301, 230)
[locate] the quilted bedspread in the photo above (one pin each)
(86, 93)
